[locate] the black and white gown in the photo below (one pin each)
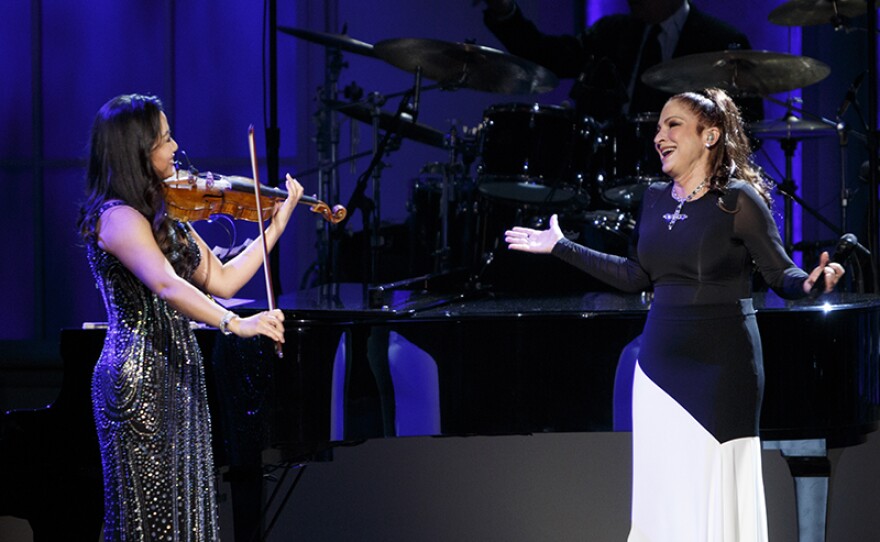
(699, 378)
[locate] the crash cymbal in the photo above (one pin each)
(791, 128)
(810, 12)
(739, 71)
(407, 128)
(341, 41)
(466, 65)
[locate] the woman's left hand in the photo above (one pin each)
(284, 209)
(833, 272)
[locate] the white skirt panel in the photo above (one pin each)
(688, 487)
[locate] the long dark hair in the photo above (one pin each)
(731, 157)
(125, 131)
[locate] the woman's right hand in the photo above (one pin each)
(535, 241)
(268, 323)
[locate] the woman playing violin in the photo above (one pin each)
(155, 274)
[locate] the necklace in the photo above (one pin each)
(672, 218)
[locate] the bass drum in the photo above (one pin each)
(526, 153)
(631, 161)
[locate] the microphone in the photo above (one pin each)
(845, 245)
(850, 94)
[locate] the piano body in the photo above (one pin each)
(364, 363)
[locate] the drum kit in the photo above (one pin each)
(533, 159)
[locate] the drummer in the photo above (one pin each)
(608, 58)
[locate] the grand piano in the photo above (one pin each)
(362, 363)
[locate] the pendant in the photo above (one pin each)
(672, 218)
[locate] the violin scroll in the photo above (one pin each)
(333, 216)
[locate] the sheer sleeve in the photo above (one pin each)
(755, 227)
(623, 273)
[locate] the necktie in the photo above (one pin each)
(651, 56)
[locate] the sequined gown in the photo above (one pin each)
(699, 378)
(150, 406)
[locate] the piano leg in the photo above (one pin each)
(810, 466)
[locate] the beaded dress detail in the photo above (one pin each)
(151, 410)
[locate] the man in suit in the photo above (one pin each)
(609, 58)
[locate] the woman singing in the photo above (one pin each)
(699, 378)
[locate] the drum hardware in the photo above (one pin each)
(370, 208)
(328, 136)
(813, 12)
(738, 71)
(632, 163)
(613, 221)
(527, 153)
(791, 127)
(790, 130)
(341, 42)
(837, 13)
(405, 125)
(441, 211)
(467, 65)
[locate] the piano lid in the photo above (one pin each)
(619, 304)
(353, 301)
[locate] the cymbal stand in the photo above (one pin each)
(376, 167)
(371, 216)
(787, 188)
(328, 151)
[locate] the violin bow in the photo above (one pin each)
(270, 291)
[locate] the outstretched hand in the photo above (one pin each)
(534, 241)
(833, 273)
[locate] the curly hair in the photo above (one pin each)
(731, 157)
(124, 134)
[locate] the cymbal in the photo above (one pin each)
(791, 128)
(810, 12)
(407, 128)
(342, 41)
(739, 71)
(466, 65)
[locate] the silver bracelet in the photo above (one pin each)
(224, 322)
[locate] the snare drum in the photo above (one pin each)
(526, 153)
(632, 162)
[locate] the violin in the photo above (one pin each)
(190, 197)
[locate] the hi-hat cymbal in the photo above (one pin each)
(341, 41)
(810, 12)
(739, 71)
(466, 65)
(791, 128)
(405, 127)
